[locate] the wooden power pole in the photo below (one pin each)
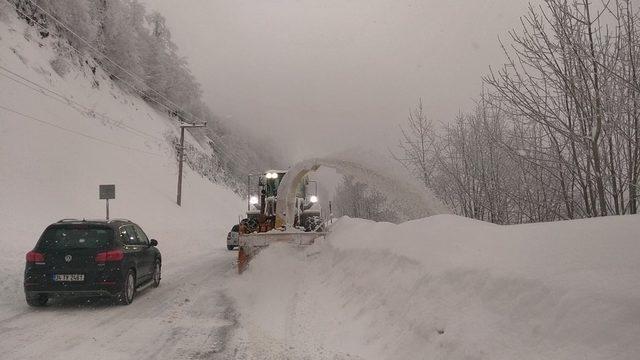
(181, 157)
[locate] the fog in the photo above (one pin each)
(322, 76)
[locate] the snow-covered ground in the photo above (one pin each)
(447, 287)
(188, 317)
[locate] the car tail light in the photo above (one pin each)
(107, 256)
(35, 257)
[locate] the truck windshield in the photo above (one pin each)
(271, 188)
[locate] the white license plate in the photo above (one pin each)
(68, 277)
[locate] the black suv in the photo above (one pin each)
(91, 258)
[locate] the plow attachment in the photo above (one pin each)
(250, 244)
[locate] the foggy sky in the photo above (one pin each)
(323, 75)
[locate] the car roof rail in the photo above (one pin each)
(120, 219)
(68, 220)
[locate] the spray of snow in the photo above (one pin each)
(409, 199)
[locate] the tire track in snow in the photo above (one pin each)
(188, 317)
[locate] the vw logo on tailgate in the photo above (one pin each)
(67, 258)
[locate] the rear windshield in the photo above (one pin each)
(234, 228)
(75, 237)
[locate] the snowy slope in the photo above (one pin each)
(447, 287)
(56, 148)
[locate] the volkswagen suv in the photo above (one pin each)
(91, 258)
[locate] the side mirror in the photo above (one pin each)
(153, 242)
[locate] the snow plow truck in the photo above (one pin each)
(263, 225)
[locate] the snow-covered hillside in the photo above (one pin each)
(57, 146)
(447, 287)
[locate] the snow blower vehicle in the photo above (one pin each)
(263, 225)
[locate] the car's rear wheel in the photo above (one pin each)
(37, 300)
(230, 247)
(128, 288)
(157, 274)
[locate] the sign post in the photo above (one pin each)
(107, 192)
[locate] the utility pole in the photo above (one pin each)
(182, 127)
(249, 192)
(330, 213)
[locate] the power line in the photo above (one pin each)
(77, 132)
(35, 21)
(67, 101)
(88, 44)
(132, 75)
(39, 91)
(134, 88)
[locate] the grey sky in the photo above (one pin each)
(323, 75)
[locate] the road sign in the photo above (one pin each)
(107, 192)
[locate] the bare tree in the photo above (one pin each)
(555, 136)
(417, 145)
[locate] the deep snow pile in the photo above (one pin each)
(447, 287)
(99, 134)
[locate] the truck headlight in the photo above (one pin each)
(313, 199)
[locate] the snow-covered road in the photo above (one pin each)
(188, 317)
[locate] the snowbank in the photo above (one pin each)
(447, 287)
(54, 153)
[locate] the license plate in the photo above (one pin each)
(68, 277)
